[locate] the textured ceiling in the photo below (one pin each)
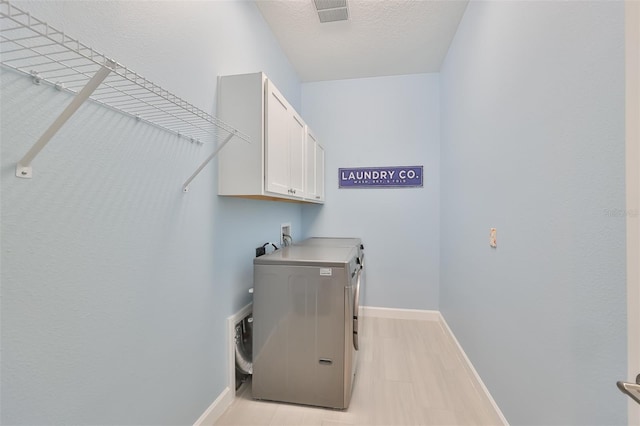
(381, 37)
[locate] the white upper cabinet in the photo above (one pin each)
(277, 164)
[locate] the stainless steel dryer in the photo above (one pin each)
(360, 284)
(303, 347)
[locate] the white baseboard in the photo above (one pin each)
(473, 371)
(409, 314)
(217, 408)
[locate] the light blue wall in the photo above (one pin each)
(115, 284)
(386, 121)
(533, 144)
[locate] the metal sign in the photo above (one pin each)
(380, 177)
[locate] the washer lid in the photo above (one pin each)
(332, 241)
(335, 242)
(309, 256)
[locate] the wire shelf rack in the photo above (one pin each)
(33, 47)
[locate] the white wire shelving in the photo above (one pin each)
(34, 48)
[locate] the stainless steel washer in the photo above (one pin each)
(303, 346)
(360, 285)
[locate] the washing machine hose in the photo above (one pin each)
(243, 362)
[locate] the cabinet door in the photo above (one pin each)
(278, 126)
(319, 171)
(296, 155)
(310, 166)
(314, 169)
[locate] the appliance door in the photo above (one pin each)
(356, 305)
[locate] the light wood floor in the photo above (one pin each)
(410, 372)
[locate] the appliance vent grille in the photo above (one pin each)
(332, 10)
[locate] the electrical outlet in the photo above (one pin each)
(285, 234)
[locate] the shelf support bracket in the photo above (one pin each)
(23, 169)
(185, 187)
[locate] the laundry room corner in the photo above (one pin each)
(377, 122)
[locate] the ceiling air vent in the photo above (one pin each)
(332, 10)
